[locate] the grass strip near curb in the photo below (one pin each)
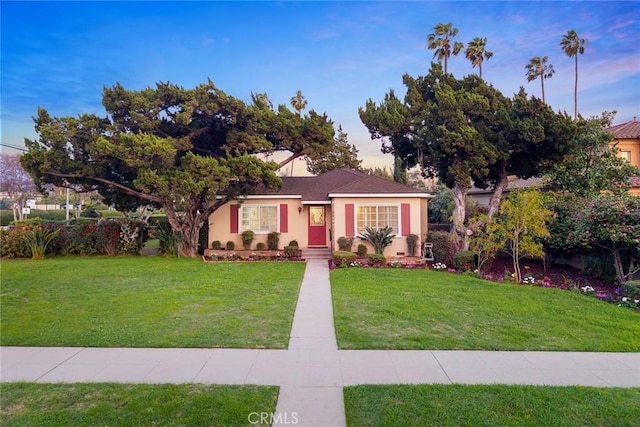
(133, 404)
(148, 302)
(490, 405)
(424, 310)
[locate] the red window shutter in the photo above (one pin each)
(284, 218)
(349, 220)
(405, 218)
(234, 218)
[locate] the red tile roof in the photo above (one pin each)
(626, 130)
(340, 181)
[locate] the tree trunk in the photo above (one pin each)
(575, 93)
(617, 263)
(188, 246)
(458, 216)
(542, 84)
(494, 202)
(188, 229)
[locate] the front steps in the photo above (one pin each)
(316, 253)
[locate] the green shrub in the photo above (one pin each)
(380, 238)
(12, 243)
(343, 257)
(216, 245)
(273, 240)
(464, 260)
(83, 239)
(377, 259)
(90, 212)
(412, 244)
(444, 246)
(294, 243)
(247, 239)
(362, 250)
(291, 252)
(169, 239)
(260, 246)
(600, 266)
(345, 243)
(631, 289)
(230, 245)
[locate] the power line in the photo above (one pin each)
(15, 147)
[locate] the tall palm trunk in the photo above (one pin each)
(575, 93)
(542, 84)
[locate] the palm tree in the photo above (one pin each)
(573, 46)
(440, 41)
(476, 52)
(538, 67)
(298, 102)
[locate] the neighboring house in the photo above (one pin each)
(317, 210)
(627, 141)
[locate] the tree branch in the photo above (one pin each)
(289, 159)
(128, 191)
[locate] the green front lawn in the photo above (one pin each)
(133, 404)
(422, 309)
(147, 302)
(490, 405)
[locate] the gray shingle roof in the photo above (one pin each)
(340, 181)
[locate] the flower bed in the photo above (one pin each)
(390, 262)
(212, 255)
(559, 277)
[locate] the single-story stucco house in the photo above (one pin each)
(317, 210)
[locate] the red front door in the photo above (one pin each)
(317, 226)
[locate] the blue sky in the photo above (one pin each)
(339, 54)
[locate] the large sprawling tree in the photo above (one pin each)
(188, 151)
(467, 133)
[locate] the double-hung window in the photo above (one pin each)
(259, 218)
(377, 216)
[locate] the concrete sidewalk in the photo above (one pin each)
(312, 372)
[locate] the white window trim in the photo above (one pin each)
(246, 205)
(398, 206)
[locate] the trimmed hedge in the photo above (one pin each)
(343, 257)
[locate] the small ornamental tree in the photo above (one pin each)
(611, 222)
(521, 223)
(485, 242)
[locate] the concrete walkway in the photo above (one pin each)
(312, 372)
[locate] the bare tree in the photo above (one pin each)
(16, 183)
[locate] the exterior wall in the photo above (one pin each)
(220, 224)
(631, 145)
(417, 219)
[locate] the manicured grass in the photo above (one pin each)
(147, 302)
(421, 309)
(490, 405)
(133, 404)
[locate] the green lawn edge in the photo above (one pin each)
(429, 310)
(134, 404)
(490, 405)
(148, 302)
